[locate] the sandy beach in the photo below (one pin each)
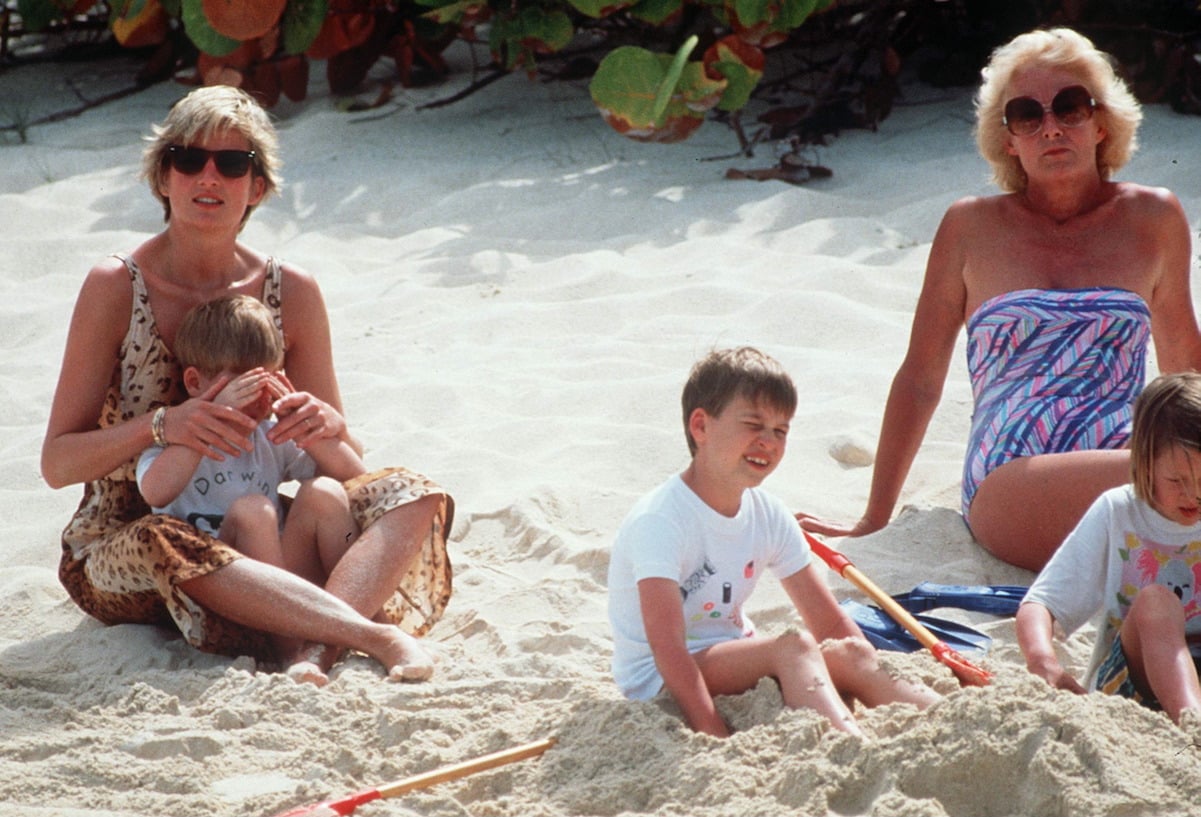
(516, 294)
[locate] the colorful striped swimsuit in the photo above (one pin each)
(1052, 370)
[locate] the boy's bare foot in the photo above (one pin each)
(306, 672)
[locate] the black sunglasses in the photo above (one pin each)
(232, 164)
(1072, 106)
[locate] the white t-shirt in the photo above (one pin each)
(1120, 546)
(672, 533)
(216, 484)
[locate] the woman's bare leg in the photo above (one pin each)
(271, 599)
(1025, 509)
(369, 571)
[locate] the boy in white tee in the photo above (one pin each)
(689, 554)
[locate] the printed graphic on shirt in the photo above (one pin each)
(1176, 567)
(697, 580)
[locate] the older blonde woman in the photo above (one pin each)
(211, 162)
(1062, 282)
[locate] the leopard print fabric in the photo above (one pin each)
(122, 564)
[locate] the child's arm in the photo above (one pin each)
(335, 458)
(1034, 630)
(168, 475)
(817, 605)
(663, 618)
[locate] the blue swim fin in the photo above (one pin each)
(997, 599)
(886, 634)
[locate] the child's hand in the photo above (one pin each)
(1053, 673)
(246, 388)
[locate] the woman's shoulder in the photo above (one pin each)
(1157, 198)
(109, 280)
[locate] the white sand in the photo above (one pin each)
(516, 295)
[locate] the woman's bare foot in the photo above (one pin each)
(407, 660)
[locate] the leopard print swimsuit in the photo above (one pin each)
(122, 564)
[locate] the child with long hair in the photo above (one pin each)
(1135, 558)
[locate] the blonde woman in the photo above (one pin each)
(1062, 282)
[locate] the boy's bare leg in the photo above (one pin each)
(251, 526)
(1157, 653)
(793, 659)
(855, 669)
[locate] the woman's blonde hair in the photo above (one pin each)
(201, 114)
(1055, 48)
(1166, 414)
(234, 333)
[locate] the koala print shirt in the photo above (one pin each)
(1120, 546)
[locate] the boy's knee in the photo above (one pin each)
(324, 492)
(797, 644)
(850, 652)
(251, 506)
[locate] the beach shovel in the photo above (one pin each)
(347, 805)
(967, 672)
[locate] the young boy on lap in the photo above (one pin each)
(689, 554)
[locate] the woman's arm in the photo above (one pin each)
(917, 386)
(74, 449)
(314, 408)
(1173, 322)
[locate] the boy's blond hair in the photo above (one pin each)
(1166, 414)
(233, 333)
(202, 114)
(724, 374)
(1064, 48)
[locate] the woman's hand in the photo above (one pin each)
(303, 418)
(209, 427)
(825, 527)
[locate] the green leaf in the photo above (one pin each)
(599, 8)
(515, 39)
(38, 14)
(751, 12)
(202, 35)
(302, 21)
(450, 13)
(656, 12)
(793, 13)
(628, 84)
(671, 79)
(742, 72)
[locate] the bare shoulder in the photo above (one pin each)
(970, 213)
(302, 304)
(107, 284)
(298, 284)
(1149, 202)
